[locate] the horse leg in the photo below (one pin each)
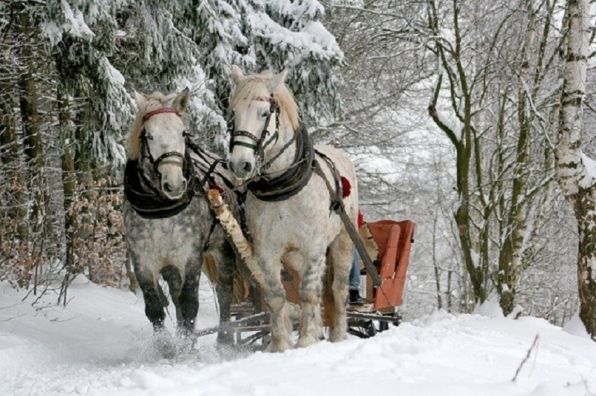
(275, 299)
(340, 250)
(226, 260)
(310, 297)
(153, 301)
(189, 294)
(174, 280)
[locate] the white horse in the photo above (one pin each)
(288, 206)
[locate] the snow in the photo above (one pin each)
(490, 308)
(590, 172)
(298, 10)
(75, 22)
(52, 32)
(112, 74)
(576, 327)
(312, 40)
(321, 36)
(101, 344)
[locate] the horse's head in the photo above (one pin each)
(263, 110)
(158, 140)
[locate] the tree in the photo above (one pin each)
(498, 66)
(576, 172)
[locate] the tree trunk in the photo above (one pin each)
(11, 160)
(510, 256)
(575, 171)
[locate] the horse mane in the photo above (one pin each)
(154, 101)
(251, 87)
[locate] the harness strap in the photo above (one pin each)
(295, 138)
(293, 180)
(259, 143)
(161, 111)
(337, 205)
(208, 174)
(213, 161)
(147, 201)
(167, 155)
(336, 200)
(211, 229)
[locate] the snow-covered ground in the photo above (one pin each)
(101, 344)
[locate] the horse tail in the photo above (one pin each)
(328, 299)
(210, 269)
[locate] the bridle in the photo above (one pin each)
(259, 144)
(146, 151)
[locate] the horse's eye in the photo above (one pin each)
(185, 133)
(148, 136)
(265, 114)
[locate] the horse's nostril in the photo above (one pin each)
(167, 186)
(247, 167)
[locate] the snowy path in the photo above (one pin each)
(100, 344)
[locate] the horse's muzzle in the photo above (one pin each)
(242, 169)
(174, 190)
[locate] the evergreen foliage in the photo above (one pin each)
(68, 69)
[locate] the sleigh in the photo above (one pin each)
(392, 242)
(388, 242)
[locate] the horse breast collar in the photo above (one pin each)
(293, 180)
(147, 200)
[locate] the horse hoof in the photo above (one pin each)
(279, 346)
(164, 344)
(338, 336)
(306, 341)
(225, 338)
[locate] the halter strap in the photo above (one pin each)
(145, 146)
(160, 111)
(259, 144)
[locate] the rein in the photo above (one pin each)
(293, 180)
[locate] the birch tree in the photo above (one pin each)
(576, 172)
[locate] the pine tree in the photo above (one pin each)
(272, 35)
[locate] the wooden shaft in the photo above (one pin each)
(235, 235)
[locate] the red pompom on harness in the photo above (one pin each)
(360, 219)
(346, 187)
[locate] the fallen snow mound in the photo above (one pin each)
(101, 344)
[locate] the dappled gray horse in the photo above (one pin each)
(168, 224)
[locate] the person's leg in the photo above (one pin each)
(355, 280)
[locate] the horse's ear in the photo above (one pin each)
(278, 79)
(181, 100)
(237, 74)
(140, 99)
